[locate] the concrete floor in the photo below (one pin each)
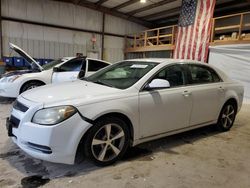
(198, 158)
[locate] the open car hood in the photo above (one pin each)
(26, 56)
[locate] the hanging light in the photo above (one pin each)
(142, 1)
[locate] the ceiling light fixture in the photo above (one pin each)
(142, 1)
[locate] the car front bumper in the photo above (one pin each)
(57, 143)
(8, 89)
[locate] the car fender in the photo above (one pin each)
(234, 91)
(44, 77)
(97, 110)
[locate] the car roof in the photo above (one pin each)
(165, 60)
(98, 60)
(69, 58)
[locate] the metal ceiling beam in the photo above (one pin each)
(115, 13)
(1, 34)
(100, 2)
(221, 9)
(76, 1)
(59, 26)
(165, 12)
(125, 4)
(230, 4)
(232, 10)
(166, 19)
(175, 18)
(150, 6)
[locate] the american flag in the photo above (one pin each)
(194, 30)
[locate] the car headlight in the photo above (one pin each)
(10, 78)
(54, 115)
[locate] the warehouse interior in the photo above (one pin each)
(111, 31)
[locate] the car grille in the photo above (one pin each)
(19, 106)
(14, 121)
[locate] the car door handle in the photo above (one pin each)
(186, 93)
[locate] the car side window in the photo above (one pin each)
(95, 65)
(174, 74)
(72, 65)
(202, 75)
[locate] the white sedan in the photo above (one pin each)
(122, 105)
(60, 70)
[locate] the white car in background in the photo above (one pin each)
(122, 105)
(60, 70)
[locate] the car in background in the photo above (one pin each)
(60, 70)
(122, 105)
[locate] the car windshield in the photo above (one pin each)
(52, 64)
(122, 75)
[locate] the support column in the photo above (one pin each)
(1, 33)
(103, 31)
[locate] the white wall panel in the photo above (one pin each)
(113, 49)
(121, 26)
(33, 32)
(35, 10)
(51, 12)
(44, 42)
(47, 42)
(15, 8)
(66, 14)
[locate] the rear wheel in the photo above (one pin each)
(227, 117)
(30, 85)
(107, 141)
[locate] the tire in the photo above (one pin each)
(30, 85)
(227, 117)
(107, 141)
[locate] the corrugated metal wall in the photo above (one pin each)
(47, 42)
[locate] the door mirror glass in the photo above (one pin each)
(81, 74)
(158, 84)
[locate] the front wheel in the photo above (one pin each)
(227, 117)
(107, 141)
(30, 85)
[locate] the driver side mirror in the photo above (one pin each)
(157, 84)
(81, 74)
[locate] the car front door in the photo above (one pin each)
(94, 65)
(164, 110)
(68, 71)
(207, 93)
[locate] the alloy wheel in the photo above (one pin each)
(31, 87)
(228, 116)
(108, 142)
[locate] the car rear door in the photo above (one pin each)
(207, 93)
(164, 110)
(68, 71)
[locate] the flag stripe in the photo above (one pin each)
(203, 46)
(209, 32)
(194, 29)
(187, 42)
(198, 30)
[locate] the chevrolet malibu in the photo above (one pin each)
(122, 105)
